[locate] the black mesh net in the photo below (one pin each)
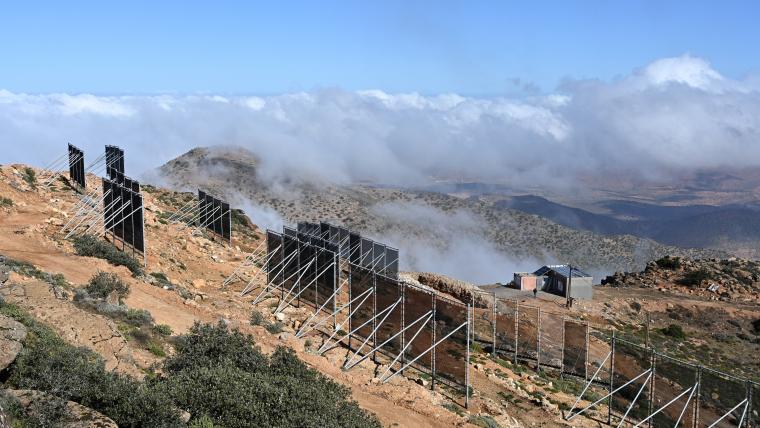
(362, 310)
(630, 361)
(551, 339)
(719, 393)
(574, 354)
(418, 303)
(672, 379)
(450, 354)
(527, 332)
(506, 317)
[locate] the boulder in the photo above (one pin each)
(12, 335)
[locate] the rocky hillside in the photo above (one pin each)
(728, 279)
(415, 220)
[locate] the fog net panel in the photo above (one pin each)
(289, 231)
(307, 262)
(551, 339)
(362, 309)
(327, 269)
(354, 244)
(599, 347)
(451, 354)
(388, 293)
(343, 242)
(138, 222)
(378, 257)
(506, 325)
(366, 253)
(719, 393)
(672, 379)
(201, 207)
(482, 318)
(630, 361)
(527, 332)
(126, 215)
(391, 262)
(290, 265)
(274, 255)
(575, 353)
(418, 303)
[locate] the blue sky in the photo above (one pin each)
(471, 48)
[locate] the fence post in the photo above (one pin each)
(538, 342)
(467, 366)
(403, 323)
(747, 421)
(374, 314)
(517, 327)
(612, 380)
(432, 351)
(562, 356)
(493, 321)
(698, 399)
(653, 365)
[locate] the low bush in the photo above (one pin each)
(257, 318)
(30, 177)
(675, 331)
(213, 364)
(695, 277)
(27, 269)
(668, 262)
(49, 364)
(275, 327)
(162, 330)
(102, 284)
(5, 202)
(91, 246)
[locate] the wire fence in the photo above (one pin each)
(639, 386)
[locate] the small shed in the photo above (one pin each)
(527, 281)
(555, 281)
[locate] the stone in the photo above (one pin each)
(279, 316)
(421, 381)
(12, 335)
(199, 283)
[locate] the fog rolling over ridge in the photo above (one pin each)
(470, 238)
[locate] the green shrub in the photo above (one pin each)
(695, 277)
(156, 349)
(5, 202)
(48, 412)
(668, 262)
(221, 374)
(30, 177)
(202, 422)
(27, 269)
(257, 318)
(91, 246)
(162, 330)
(102, 284)
(483, 421)
(49, 364)
(275, 327)
(675, 331)
(138, 317)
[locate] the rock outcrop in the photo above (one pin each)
(12, 335)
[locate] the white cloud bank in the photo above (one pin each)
(674, 114)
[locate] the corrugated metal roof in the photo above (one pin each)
(563, 270)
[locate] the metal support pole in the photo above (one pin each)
(612, 378)
(467, 363)
(538, 343)
(432, 354)
(493, 322)
(653, 365)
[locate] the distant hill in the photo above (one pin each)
(451, 232)
(734, 228)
